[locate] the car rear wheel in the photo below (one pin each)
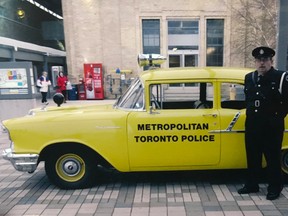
(71, 169)
(284, 162)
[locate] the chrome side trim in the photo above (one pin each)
(107, 127)
(233, 122)
(230, 126)
(21, 162)
(225, 131)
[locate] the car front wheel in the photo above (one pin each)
(71, 169)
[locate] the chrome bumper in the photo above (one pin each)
(21, 162)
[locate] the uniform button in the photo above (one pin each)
(257, 93)
(259, 85)
(256, 110)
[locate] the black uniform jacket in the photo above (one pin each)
(268, 95)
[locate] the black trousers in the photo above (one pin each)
(64, 92)
(264, 135)
(44, 97)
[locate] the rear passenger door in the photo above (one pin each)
(176, 130)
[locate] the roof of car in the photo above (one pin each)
(195, 73)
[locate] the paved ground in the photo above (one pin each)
(212, 193)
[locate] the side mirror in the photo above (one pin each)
(152, 110)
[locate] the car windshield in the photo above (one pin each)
(133, 98)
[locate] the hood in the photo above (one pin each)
(47, 111)
(57, 113)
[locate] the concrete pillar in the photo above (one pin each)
(282, 40)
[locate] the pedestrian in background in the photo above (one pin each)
(43, 83)
(61, 83)
(266, 91)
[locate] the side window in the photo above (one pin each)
(182, 95)
(232, 96)
(133, 98)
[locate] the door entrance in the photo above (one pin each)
(183, 60)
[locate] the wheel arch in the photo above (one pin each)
(50, 149)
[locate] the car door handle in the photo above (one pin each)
(210, 115)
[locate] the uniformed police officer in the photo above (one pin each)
(266, 91)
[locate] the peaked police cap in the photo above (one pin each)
(263, 52)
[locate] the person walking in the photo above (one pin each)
(266, 91)
(61, 83)
(43, 83)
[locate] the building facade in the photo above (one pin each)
(188, 33)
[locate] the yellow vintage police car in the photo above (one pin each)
(168, 119)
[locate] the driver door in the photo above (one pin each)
(177, 133)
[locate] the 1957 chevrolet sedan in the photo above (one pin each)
(168, 119)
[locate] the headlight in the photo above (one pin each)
(3, 128)
(11, 145)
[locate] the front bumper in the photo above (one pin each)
(21, 162)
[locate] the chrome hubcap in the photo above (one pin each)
(71, 167)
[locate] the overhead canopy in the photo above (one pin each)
(7, 42)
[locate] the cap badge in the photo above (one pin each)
(261, 52)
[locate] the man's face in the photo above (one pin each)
(263, 64)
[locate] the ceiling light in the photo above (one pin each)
(20, 13)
